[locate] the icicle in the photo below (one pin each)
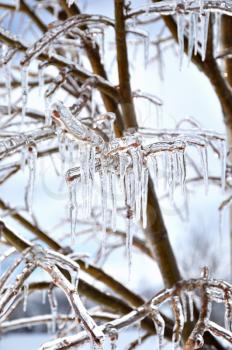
(182, 170)
(113, 336)
(191, 36)
(41, 80)
(61, 145)
(204, 162)
(137, 169)
(104, 193)
(53, 306)
(155, 169)
(196, 17)
(184, 298)
(23, 158)
(130, 204)
(159, 325)
(44, 297)
(24, 79)
(180, 30)
(204, 33)
(170, 176)
(113, 198)
(7, 68)
(25, 292)
(72, 183)
(228, 311)
(220, 224)
(144, 195)
(92, 161)
(216, 32)
(146, 51)
(74, 278)
(123, 164)
(191, 303)
(31, 161)
(86, 162)
(223, 163)
(47, 112)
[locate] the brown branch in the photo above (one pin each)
(123, 67)
(156, 232)
(93, 54)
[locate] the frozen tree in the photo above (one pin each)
(69, 112)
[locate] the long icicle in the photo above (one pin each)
(24, 79)
(180, 32)
(204, 33)
(72, 206)
(31, 161)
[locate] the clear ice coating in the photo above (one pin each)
(126, 161)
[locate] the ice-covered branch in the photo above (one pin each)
(169, 7)
(210, 290)
(14, 143)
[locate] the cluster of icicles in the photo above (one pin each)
(124, 164)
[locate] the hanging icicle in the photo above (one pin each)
(113, 191)
(54, 306)
(180, 32)
(7, 71)
(204, 164)
(113, 336)
(146, 51)
(144, 191)
(182, 169)
(72, 183)
(222, 150)
(31, 159)
(191, 36)
(104, 195)
(24, 82)
(25, 292)
(204, 33)
(41, 80)
(196, 34)
(130, 209)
